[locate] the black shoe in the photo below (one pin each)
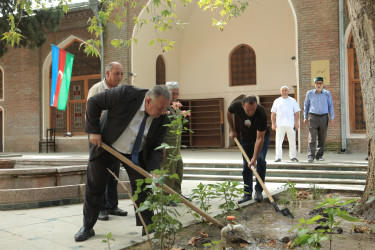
(258, 196)
(294, 160)
(172, 204)
(103, 215)
(149, 232)
(366, 159)
(277, 160)
(117, 211)
(84, 233)
(246, 197)
(311, 159)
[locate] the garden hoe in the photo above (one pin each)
(165, 187)
(284, 211)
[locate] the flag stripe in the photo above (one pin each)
(62, 64)
(64, 90)
(55, 67)
(60, 75)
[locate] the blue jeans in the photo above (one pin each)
(261, 167)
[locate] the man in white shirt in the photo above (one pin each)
(113, 77)
(285, 119)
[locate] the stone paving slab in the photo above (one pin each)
(54, 227)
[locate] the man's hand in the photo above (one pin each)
(253, 162)
(331, 122)
(232, 134)
(96, 139)
(273, 126)
(305, 121)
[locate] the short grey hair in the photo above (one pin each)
(159, 90)
(110, 65)
(251, 99)
(284, 87)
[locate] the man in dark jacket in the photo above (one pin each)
(130, 110)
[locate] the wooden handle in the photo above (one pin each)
(253, 169)
(165, 187)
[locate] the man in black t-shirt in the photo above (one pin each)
(255, 138)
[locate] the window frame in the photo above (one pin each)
(252, 67)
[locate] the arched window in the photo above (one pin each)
(160, 70)
(356, 114)
(242, 66)
(1, 83)
(85, 73)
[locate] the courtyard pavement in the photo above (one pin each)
(54, 227)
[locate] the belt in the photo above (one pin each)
(319, 115)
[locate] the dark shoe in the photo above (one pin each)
(103, 215)
(258, 196)
(294, 160)
(319, 158)
(246, 197)
(84, 233)
(277, 160)
(366, 159)
(172, 204)
(117, 211)
(311, 159)
(149, 232)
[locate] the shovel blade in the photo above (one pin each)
(284, 211)
(287, 213)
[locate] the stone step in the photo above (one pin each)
(337, 166)
(277, 179)
(278, 171)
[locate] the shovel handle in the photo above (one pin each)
(254, 171)
(165, 187)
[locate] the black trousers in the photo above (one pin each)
(96, 182)
(111, 194)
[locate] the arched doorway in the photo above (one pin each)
(85, 73)
(356, 113)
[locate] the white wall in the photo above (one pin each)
(200, 60)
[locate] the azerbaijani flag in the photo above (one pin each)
(62, 64)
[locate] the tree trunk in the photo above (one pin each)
(362, 17)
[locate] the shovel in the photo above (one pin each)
(165, 187)
(284, 211)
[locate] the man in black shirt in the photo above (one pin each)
(255, 138)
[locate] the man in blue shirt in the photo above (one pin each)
(318, 104)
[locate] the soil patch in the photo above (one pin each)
(267, 229)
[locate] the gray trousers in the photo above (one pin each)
(318, 125)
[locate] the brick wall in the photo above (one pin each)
(357, 145)
(22, 88)
(318, 39)
(21, 100)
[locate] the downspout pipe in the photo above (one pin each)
(94, 6)
(342, 77)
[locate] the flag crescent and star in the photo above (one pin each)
(62, 64)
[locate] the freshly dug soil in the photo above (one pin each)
(267, 229)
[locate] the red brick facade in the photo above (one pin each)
(318, 39)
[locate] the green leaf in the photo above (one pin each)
(370, 199)
(345, 215)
